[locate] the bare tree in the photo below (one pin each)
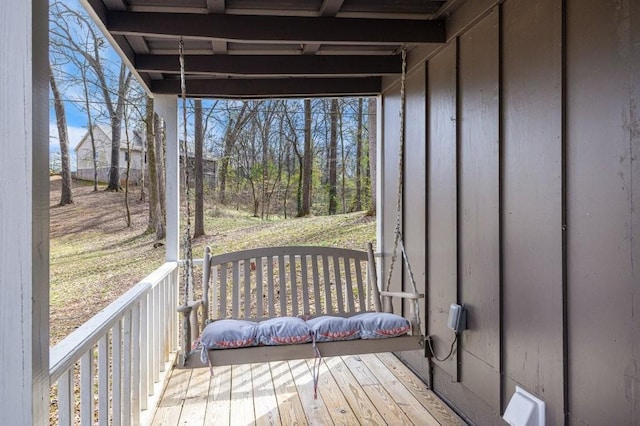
(359, 157)
(128, 169)
(114, 91)
(372, 132)
(198, 229)
(307, 173)
(156, 222)
(66, 197)
(333, 158)
(235, 124)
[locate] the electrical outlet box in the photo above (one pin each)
(457, 318)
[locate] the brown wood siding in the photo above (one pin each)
(416, 197)
(478, 212)
(532, 201)
(603, 189)
(533, 207)
(390, 148)
(442, 202)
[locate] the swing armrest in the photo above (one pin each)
(402, 294)
(192, 305)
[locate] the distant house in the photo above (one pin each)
(102, 137)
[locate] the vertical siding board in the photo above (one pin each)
(479, 204)
(415, 193)
(603, 148)
(442, 201)
(532, 201)
(389, 184)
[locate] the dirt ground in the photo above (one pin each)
(94, 256)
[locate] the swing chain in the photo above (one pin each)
(398, 237)
(187, 246)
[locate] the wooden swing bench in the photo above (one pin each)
(297, 281)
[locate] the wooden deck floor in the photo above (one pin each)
(365, 389)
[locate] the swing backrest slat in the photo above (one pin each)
(289, 281)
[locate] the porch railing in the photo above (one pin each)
(107, 369)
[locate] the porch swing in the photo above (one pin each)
(295, 302)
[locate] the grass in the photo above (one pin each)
(95, 257)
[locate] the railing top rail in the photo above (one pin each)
(71, 348)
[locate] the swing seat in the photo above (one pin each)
(284, 303)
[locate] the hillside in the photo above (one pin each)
(95, 258)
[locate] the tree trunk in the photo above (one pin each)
(160, 141)
(66, 197)
(128, 170)
(198, 226)
(156, 224)
(224, 167)
(333, 159)
(116, 116)
(359, 158)
(372, 125)
(307, 172)
(90, 127)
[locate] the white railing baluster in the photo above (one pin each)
(165, 323)
(126, 370)
(86, 389)
(155, 355)
(132, 339)
(144, 354)
(66, 400)
(173, 282)
(103, 380)
(135, 371)
(116, 373)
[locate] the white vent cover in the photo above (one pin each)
(524, 409)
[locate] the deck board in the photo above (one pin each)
(427, 397)
(219, 398)
(369, 389)
(289, 403)
(337, 405)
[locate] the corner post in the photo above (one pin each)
(167, 107)
(24, 213)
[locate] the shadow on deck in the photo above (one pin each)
(365, 389)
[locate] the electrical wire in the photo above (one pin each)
(455, 339)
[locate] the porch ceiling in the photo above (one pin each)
(275, 48)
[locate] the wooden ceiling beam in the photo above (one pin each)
(238, 88)
(272, 65)
(277, 29)
(330, 7)
(216, 6)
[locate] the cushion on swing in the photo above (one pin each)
(283, 331)
(380, 325)
(329, 329)
(228, 334)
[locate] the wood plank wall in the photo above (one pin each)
(531, 215)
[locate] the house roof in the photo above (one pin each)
(135, 138)
(275, 48)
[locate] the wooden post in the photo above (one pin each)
(24, 213)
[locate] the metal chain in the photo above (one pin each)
(398, 238)
(187, 246)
